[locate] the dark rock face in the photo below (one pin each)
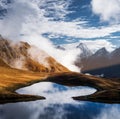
(3, 64)
(9, 52)
(101, 62)
(60, 47)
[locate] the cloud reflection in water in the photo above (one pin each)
(58, 105)
(56, 94)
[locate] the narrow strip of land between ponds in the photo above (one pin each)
(13, 79)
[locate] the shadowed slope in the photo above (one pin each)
(108, 91)
(104, 96)
(102, 63)
(77, 79)
(3, 64)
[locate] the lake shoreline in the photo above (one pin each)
(13, 79)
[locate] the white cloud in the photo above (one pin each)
(2, 5)
(109, 113)
(26, 20)
(95, 45)
(19, 13)
(109, 10)
(38, 55)
(25, 17)
(66, 57)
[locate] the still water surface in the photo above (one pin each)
(58, 104)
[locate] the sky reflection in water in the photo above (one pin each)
(58, 105)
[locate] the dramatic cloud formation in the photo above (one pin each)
(109, 10)
(28, 20)
(25, 18)
(99, 44)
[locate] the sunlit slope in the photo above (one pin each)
(23, 56)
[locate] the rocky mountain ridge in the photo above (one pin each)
(21, 55)
(101, 62)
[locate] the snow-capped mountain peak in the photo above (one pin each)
(84, 49)
(102, 52)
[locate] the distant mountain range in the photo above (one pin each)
(101, 63)
(23, 56)
(85, 51)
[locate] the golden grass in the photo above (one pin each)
(13, 79)
(10, 77)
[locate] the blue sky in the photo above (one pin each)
(64, 21)
(46, 23)
(82, 10)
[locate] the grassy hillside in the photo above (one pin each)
(13, 79)
(23, 56)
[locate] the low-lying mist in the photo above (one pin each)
(65, 57)
(26, 21)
